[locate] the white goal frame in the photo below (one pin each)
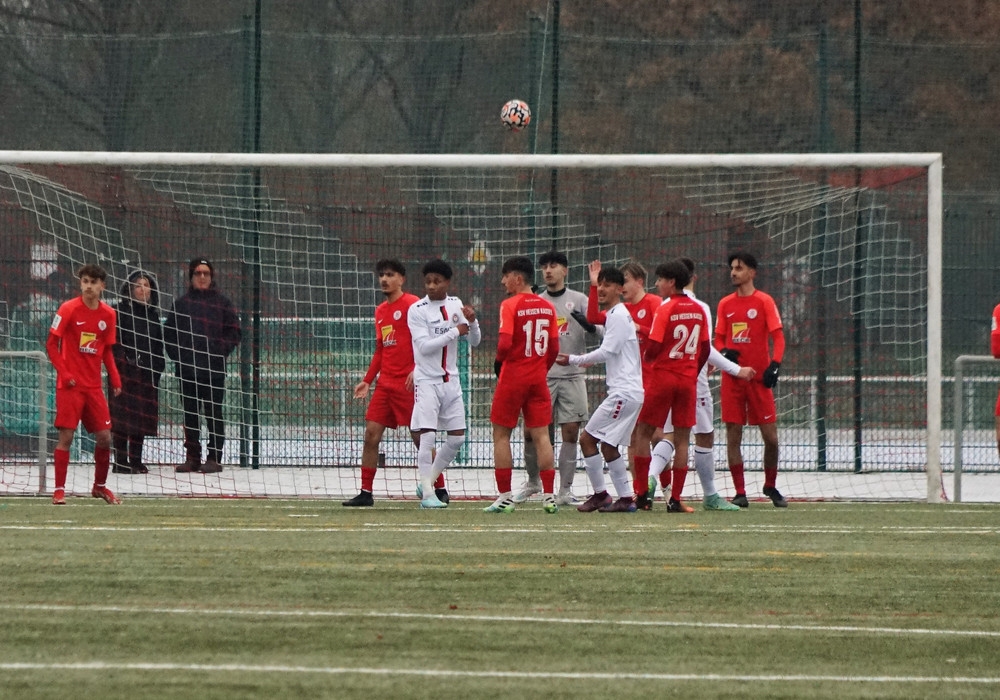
(931, 161)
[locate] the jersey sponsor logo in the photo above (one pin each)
(563, 325)
(752, 313)
(388, 335)
(741, 332)
(88, 343)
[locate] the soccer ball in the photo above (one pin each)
(515, 115)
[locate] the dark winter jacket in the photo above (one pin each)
(201, 330)
(140, 335)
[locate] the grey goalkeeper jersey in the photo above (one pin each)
(572, 337)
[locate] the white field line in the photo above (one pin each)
(675, 526)
(491, 619)
(507, 675)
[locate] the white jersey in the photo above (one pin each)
(715, 358)
(619, 351)
(433, 328)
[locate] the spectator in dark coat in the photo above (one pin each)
(200, 332)
(135, 413)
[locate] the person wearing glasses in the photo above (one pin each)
(200, 332)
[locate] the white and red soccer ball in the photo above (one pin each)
(515, 115)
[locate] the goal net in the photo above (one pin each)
(849, 247)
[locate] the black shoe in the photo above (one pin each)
(740, 500)
(211, 466)
(442, 495)
(675, 506)
(191, 464)
(776, 498)
(119, 468)
(643, 503)
(364, 498)
(139, 468)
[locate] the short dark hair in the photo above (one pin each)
(611, 275)
(439, 267)
(744, 257)
(521, 265)
(674, 270)
(688, 263)
(634, 270)
(93, 271)
(390, 265)
(553, 256)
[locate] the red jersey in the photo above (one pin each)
(995, 332)
(745, 324)
(532, 323)
(681, 326)
(642, 313)
(83, 334)
(393, 358)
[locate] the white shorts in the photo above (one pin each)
(613, 420)
(438, 407)
(704, 417)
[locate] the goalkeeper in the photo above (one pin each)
(748, 331)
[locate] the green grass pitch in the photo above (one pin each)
(182, 598)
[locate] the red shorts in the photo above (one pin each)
(669, 396)
(77, 405)
(513, 398)
(746, 403)
(391, 405)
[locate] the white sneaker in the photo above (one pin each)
(504, 504)
(527, 491)
(566, 498)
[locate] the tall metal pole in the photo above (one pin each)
(554, 180)
(250, 436)
(860, 239)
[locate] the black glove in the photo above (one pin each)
(497, 364)
(771, 374)
(730, 354)
(581, 318)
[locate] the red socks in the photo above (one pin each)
(61, 459)
(641, 481)
(738, 483)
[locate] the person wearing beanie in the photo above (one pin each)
(200, 332)
(139, 357)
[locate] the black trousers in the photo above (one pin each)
(204, 395)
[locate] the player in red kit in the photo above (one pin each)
(642, 306)
(391, 404)
(995, 351)
(527, 347)
(676, 350)
(747, 326)
(79, 342)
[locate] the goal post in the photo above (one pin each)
(849, 245)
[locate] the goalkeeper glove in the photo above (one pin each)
(771, 374)
(730, 354)
(497, 364)
(581, 318)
